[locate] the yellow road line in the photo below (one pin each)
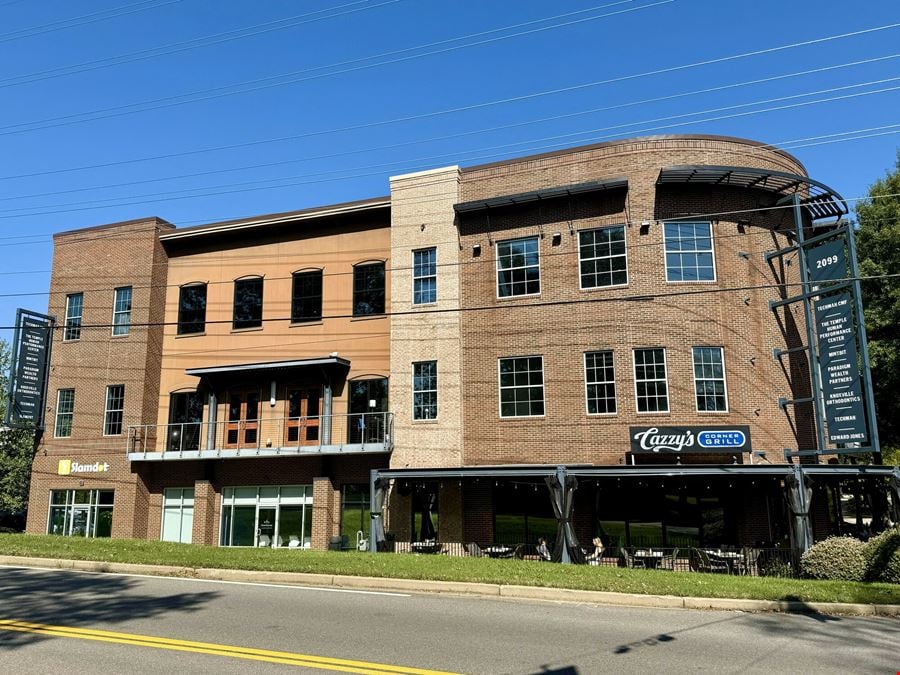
(288, 658)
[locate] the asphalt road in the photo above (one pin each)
(54, 621)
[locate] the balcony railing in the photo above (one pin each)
(326, 434)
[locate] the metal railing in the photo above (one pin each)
(369, 431)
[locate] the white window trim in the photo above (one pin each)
(106, 411)
(437, 406)
(69, 297)
(586, 395)
(500, 388)
(602, 288)
(429, 276)
(724, 381)
(114, 312)
(712, 250)
(665, 379)
(498, 270)
(56, 416)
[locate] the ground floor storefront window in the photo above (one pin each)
(81, 513)
(522, 514)
(355, 509)
(178, 515)
(267, 516)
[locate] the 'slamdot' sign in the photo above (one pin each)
(671, 440)
(68, 466)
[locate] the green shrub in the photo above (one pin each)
(776, 567)
(882, 555)
(839, 558)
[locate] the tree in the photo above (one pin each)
(16, 454)
(878, 239)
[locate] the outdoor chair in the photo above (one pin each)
(264, 540)
(630, 560)
(708, 564)
(474, 550)
(667, 562)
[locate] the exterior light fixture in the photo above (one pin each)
(476, 250)
(556, 239)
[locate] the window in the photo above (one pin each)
(185, 417)
(80, 513)
(600, 380)
(368, 289)
(425, 276)
(602, 258)
(425, 390)
(122, 311)
(65, 408)
(709, 380)
(74, 309)
(192, 309)
(689, 252)
(651, 388)
(518, 268)
(178, 515)
(115, 407)
(522, 386)
(248, 300)
(267, 516)
(355, 510)
(306, 296)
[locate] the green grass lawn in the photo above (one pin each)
(449, 568)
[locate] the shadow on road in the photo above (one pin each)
(662, 638)
(80, 600)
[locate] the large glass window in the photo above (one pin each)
(518, 268)
(74, 309)
(178, 515)
(192, 309)
(425, 276)
(185, 417)
(425, 390)
(248, 303)
(277, 516)
(115, 408)
(600, 381)
(367, 421)
(355, 509)
(602, 258)
(522, 514)
(651, 386)
(122, 311)
(689, 252)
(709, 380)
(81, 513)
(368, 289)
(522, 386)
(65, 409)
(306, 296)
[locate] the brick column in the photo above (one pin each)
(325, 514)
(450, 511)
(204, 531)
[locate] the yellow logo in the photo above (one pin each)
(65, 467)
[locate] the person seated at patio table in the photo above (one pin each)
(594, 558)
(542, 549)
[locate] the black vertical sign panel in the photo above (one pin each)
(827, 261)
(839, 368)
(28, 379)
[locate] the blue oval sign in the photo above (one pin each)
(728, 438)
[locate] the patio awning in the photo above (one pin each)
(269, 368)
(820, 200)
(543, 194)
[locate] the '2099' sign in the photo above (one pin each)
(675, 440)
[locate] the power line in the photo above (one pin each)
(470, 132)
(447, 111)
(193, 43)
(209, 94)
(250, 186)
(85, 19)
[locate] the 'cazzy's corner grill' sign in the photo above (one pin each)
(674, 440)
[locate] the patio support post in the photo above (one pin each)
(798, 496)
(212, 409)
(377, 493)
(894, 483)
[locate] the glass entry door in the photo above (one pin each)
(368, 407)
(265, 526)
(242, 425)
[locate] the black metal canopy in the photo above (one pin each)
(620, 183)
(819, 199)
(269, 368)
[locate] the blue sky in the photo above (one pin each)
(337, 126)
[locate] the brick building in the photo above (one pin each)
(443, 351)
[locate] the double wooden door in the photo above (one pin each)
(303, 419)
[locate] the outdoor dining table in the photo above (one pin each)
(425, 547)
(649, 558)
(499, 551)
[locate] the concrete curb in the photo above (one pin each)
(462, 588)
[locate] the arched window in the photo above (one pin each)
(192, 308)
(306, 296)
(248, 303)
(368, 288)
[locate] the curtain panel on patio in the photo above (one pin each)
(563, 500)
(377, 514)
(798, 497)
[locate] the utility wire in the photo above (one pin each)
(462, 134)
(217, 92)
